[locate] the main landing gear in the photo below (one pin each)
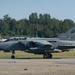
(47, 55)
(12, 56)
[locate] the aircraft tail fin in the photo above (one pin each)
(70, 34)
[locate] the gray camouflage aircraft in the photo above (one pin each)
(30, 46)
(35, 46)
(39, 45)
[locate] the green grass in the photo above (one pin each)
(21, 54)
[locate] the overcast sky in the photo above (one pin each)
(19, 9)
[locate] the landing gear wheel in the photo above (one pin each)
(12, 57)
(44, 56)
(47, 55)
(50, 55)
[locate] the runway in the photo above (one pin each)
(37, 66)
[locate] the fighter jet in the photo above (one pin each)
(38, 45)
(35, 46)
(30, 46)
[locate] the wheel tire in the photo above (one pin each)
(47, 55)
(12, 57)
(50, 55)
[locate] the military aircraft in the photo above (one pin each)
(38, 45)
(35, 46)
(30, 46)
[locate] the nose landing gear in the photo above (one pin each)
(12, 56)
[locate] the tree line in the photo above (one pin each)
(38, 25)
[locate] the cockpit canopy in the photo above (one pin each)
(16, 38)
